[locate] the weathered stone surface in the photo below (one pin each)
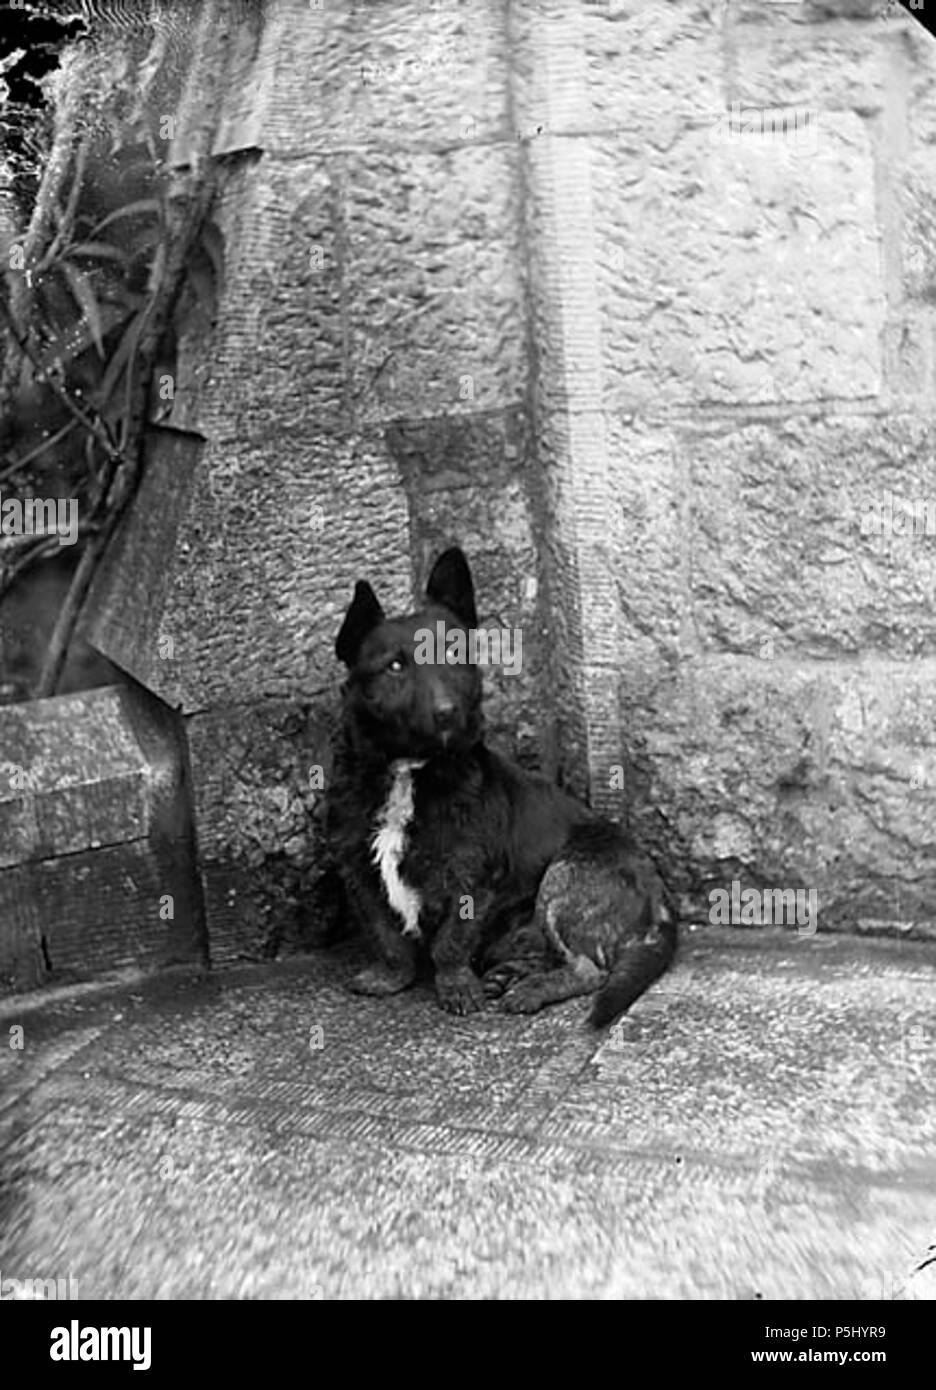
(575, 493)
(277, 352)
(287, 354)
(761, 1127)
(97, 866)
(792, 775)
(432, 279)
(584, 602)
(783, 558)
(260, 772)
(133, 589)
(409, 74)
(645, 68)
(86, 914)
(918, 209)
(919, 49)
(774, 62)
(378, 284)
(820, 10)
(240, 120)
(713, 292)
(648, 543)
(287, 527)
(749, 541)
(74, 777)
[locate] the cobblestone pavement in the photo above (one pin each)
(761, 1126)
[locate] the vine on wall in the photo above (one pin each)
(94, 256)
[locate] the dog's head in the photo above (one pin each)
(408, 693)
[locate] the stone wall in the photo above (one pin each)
(507, 275)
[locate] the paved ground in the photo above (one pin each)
(763, 1126)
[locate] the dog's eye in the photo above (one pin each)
(396, 666)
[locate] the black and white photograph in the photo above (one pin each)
(468, 660)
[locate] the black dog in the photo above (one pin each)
(442, 844)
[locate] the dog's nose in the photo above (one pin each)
(445, 714)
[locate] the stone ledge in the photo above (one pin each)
(96, 844)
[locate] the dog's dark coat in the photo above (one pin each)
(440, 842)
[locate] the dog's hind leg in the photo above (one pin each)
(520, 951)
(578, 976)
(502, 977)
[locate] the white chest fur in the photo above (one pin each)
(388, 844)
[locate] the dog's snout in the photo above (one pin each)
(444, 713)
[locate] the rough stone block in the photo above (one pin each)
(917, 207)
(285, 352)
(784, 562)
(96, 846)
(919, 50)
(84, 915)
(650, 556)
(260, 776)
(784, 775)
(73, 777)
(644, 68)
(255, 779)
(420, 74)
(277, 350)
(712, 291)
(133, 587)
(363, 288)
(288, 528)
(779, 63)
(757, 539)
(880, 10)
(432, 278)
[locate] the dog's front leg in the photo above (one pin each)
(395, 968)
(457, 986)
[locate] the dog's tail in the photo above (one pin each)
(639, 962)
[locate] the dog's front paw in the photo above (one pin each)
(381, 980)
(525, 997)
(460, 992)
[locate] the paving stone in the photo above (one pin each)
(762, 1125)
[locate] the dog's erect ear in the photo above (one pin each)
(361, 618)
(451, 585)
